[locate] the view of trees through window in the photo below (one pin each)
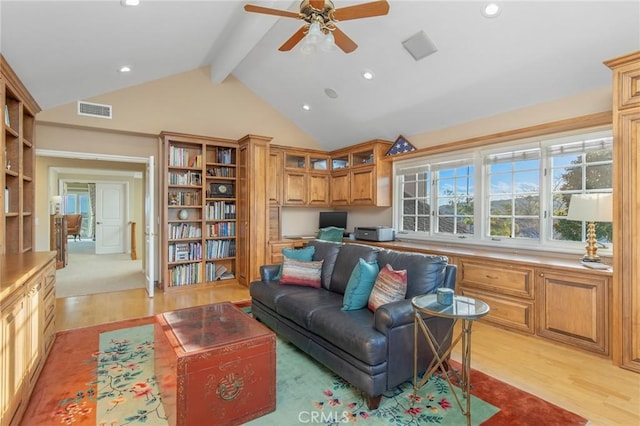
(526, 192)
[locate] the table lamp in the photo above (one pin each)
(591, 208)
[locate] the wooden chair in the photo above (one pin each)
(74, 223)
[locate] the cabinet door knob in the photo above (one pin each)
(541, 274)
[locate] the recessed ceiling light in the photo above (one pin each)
(306, 107)
(491, 10)
(367, 75)
(127, 3)
(125, 69)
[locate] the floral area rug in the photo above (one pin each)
(104, 375)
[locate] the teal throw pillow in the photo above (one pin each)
(331, 233)
(359, 286)
(304, 254)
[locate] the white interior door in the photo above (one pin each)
(110, 218)
(150, 222)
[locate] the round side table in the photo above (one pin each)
(465, 309)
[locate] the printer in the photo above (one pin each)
(375, 233)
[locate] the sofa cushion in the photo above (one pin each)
(268, 293)
(299, 307)
(296, 272)
(356, 295)
(425, 272)
(351, 332)
(348, 258)
(304, 254)
(390, 286)
(327, 251)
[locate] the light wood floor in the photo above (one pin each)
(586, 384)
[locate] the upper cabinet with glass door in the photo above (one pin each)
(361, 175)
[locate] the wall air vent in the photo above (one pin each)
(94, 110)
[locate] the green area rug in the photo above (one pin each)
(309, 393)
(306, 391)
(104, 375)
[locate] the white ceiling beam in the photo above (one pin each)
(243, 31)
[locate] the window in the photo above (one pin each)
(521, 197)
(416, 200)
(577, 168)
(454, 185)
(514, 194)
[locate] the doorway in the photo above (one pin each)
(120, 175)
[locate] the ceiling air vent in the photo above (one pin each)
(94, 110)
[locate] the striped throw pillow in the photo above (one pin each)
(296, 272)
(390, 286)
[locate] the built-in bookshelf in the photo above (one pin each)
(199, 239)
(17, 156)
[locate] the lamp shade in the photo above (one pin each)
(591, 207)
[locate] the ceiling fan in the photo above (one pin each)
(320, 17)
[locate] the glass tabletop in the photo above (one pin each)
(462, 307)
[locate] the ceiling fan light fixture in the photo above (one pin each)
(328, 44)
(314, 35)
(308, 48)
(367, 75)
(306, 107)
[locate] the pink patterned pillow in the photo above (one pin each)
(301, 273)
(390, 286)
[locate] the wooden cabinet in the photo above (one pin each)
(27, 332)
(361, 176)
(306, 178)
(199, 210)
(13, 367)
(626, 211)
(17, 156)
(58, 239)
(274, 189)
(275, 249)
(561, 304)
(574, 309)
(507, 288)
(253, 204)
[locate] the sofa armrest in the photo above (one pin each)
(393, 314)
(269, 272)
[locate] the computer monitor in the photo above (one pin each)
(337, 219)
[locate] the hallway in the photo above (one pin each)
(88, 273)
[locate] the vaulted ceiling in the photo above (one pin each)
(532, 52)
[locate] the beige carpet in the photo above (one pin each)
(90, 273)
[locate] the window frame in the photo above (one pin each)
(481, 193)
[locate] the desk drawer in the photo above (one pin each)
(498, 277)
(506, 312)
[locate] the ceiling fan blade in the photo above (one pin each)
(269, 11)
(343, 41)
(294, 39)
(317, 4)
(365, 10)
